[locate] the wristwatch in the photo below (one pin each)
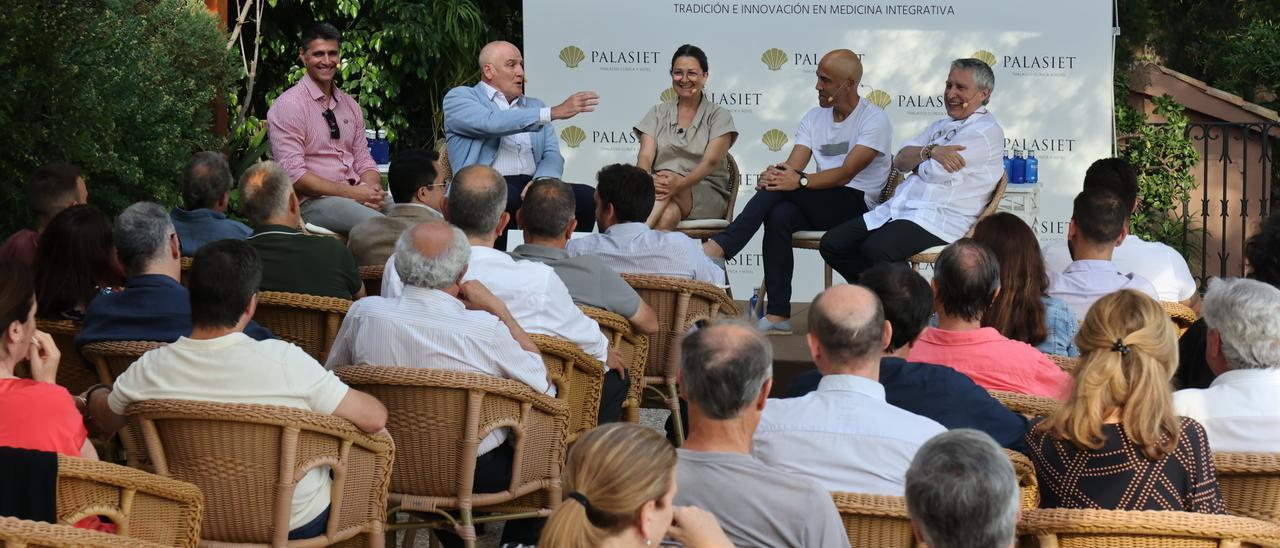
(804, 179)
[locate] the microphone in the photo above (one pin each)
(832, 96)
(964, 104)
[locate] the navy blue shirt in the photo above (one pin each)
(940, 393)
(201, 226)
(152, 307)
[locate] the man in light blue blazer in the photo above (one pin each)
(494, 123)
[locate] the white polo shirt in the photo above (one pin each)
(1160, 264)
(831, 142)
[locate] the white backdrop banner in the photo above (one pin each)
(1052, 61)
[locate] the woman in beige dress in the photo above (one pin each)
(685, 144)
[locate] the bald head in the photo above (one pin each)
(967, 278)
(847, 322)
(502, 67)
(477, 200)
(495, 51)
(723, 368)
(264, 192)
(432, 255)
(842, 64)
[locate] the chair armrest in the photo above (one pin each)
(1147, 522)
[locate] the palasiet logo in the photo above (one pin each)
(775, 139)
(668, 95)
(774, 58)
(879, 98)
(985, 56)
(573, 136)
(571, 56)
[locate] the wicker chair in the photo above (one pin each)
(112, 358)
(1181, 315)
(929, 256)
(308, 321)
(371, 275)
(634, 349)
(445, 166)
(578, 378)
(1071, 528)
(1026, 404)
(679, 303)
(1250, 484)
(248, 458)
(438, 419)
(73, 374)
(143, 506)
(875, 520)
(21, 533)
(1067, 364)
(1028, 484)
(704, 229)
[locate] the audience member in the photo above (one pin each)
(962, 492)
(1022, 311)
(725, 376)
(1158, 263)
(624, 198)
(418, 187)
(293, 261)
(206, 193)
(619, 483)
(546, 216)
(153, 305)
(845, 435)
(35, 413)
(1241, 408)
(1262, 254)
(934, 391)
(51, 189)
(966, 280)
(1116, 444)
(219, 363)
(1098, 224)
(536, 297)
(76, 262)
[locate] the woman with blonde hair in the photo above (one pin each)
(619, 485)
(1116, 443)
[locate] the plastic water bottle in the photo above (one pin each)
(751, 305)
(1007, 163)
(1018, 169)
(1033, 168)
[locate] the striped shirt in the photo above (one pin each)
(637, 249)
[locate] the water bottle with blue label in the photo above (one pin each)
(1007, 163)
(1033, 168)
(1018, 169)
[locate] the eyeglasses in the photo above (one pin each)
(333, 123)
(691, 74)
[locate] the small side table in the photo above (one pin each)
(1022, 200)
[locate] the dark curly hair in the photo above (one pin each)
(1262, 251)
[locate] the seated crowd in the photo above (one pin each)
(906, 397)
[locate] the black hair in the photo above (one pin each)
(74, 258)
(205, 179)
(1100, 215)
(1262, 251)
(51, 187)
(629, 189)
(477, 200)
(695, 52)
(844, 342)
(320, 31)
(905, 296)
(547, 209)
(17, 294)
(968, 276)
(410, 170)
(1115, 175)
(225, 275)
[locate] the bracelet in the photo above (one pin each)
(926, 153)
(88, 397)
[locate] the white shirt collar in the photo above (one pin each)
(852, 383)
(493, 94)
(1247, 376)
(627, 229)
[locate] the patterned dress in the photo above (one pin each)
(1119, 476)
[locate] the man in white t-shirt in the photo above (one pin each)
(952, 167)
(848, 140)
(219, 363)
(1160, 264)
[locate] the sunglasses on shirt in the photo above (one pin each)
(333, 123)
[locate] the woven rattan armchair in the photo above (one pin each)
(308, 321)
(143, 506)
(929, 256)
(112, 358)
(634, 348)
(438, 419)
(704, 229)
(679, 303)
(371, 275)
(1250, 484)
(248, 459)
(1072, 528)
(1028, 484)
(578, 378)
(1067, 363)
(73, 374)
(21, 533)
(875, 520)
(1026, 404)
(1181, 315)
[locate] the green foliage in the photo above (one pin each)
(1164, 158)
(121, 88)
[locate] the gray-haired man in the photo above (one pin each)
(962, 492)
(726, 371)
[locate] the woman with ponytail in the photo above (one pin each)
(1116, 443)
(619, 483)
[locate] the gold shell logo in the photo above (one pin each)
(985, 56)
(571, 56)
(774, 58)
(774, 139)
(573, 136)
(668, 95)
(879, 98)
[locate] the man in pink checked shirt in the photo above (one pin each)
(317, 135)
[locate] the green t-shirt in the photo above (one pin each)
(302, 263)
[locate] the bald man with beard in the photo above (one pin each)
(494, 123)
(847, 139)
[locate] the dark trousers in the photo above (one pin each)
(313, 528)
(584, 210)
(851, 248)
(782, 213)
(612, 396)
(493, 474)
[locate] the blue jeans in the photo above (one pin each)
(313, 528)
